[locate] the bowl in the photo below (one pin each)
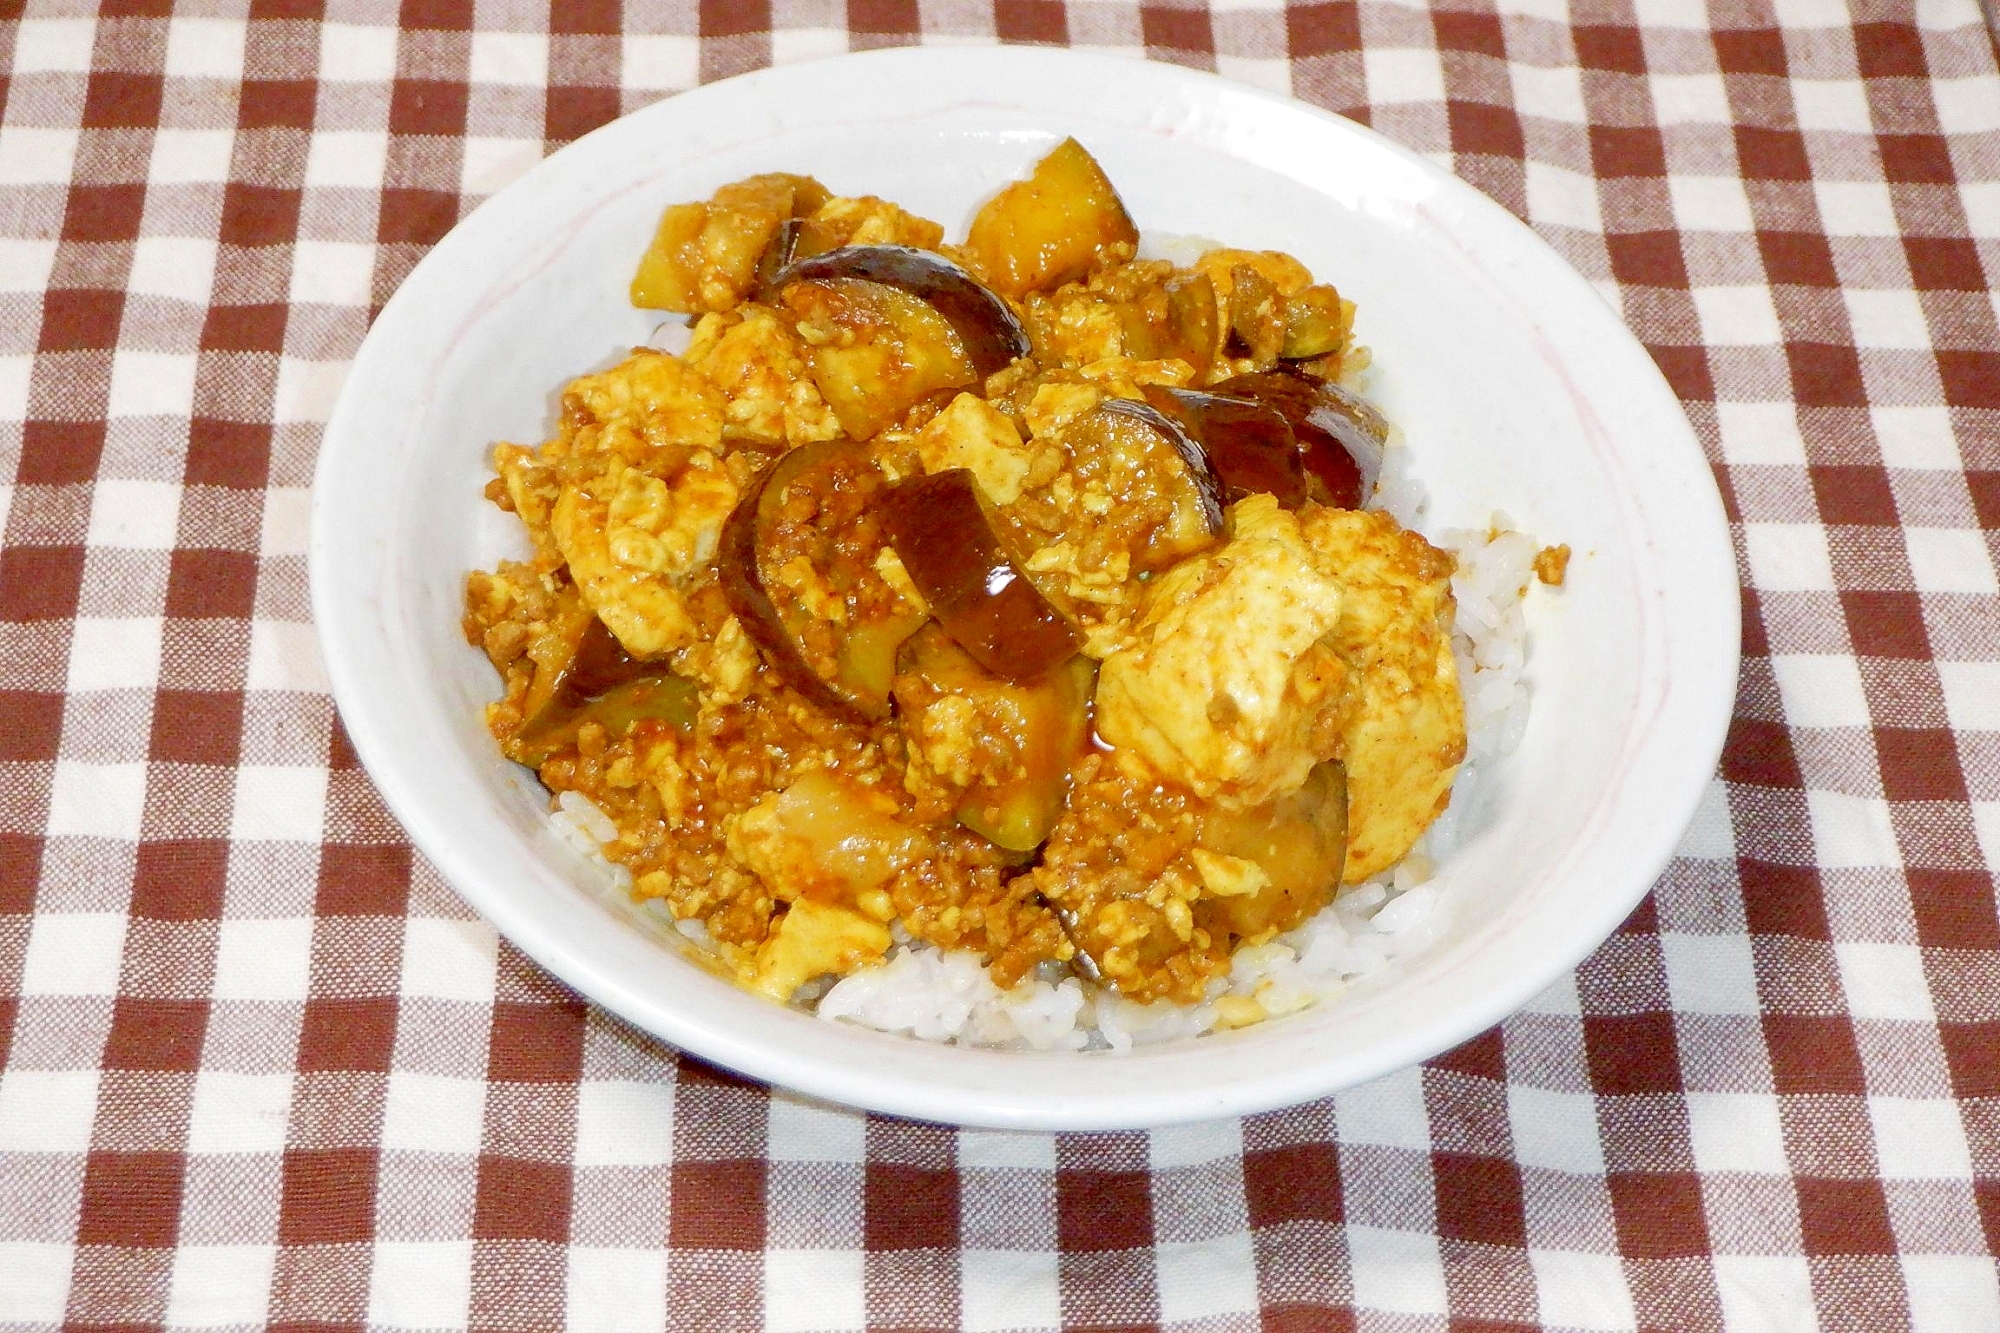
(1517, 388)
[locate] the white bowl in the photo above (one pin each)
(1517, 388)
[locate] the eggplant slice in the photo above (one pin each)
(993, 337)
(846, 669)
(1250, 445)
(1340, 434)
(1209, 488)
(951, 545)
(606, 685)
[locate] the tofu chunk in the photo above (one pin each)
(1226, 687)
(1405, 737)
(866, 220)
(634, 540)
(531, 488)
(650, 400)
(815, 939)
(972, 433)
(759, 365)
(644, 496)
(825, 837)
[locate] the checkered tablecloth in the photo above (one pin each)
(1770, 1102)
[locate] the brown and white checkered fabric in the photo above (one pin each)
(259, 1067)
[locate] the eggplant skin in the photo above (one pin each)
(945, 536)
(993, 337)
(601, 683)
(750, 601)
(1340, 434)
(845, 668)
(1248, 444)
(1207, 485)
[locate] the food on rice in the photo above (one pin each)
(995, 627)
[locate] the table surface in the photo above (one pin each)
(1770, 1102)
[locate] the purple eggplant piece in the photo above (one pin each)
(1251, 447)
(1352, 420)
(1358, 417)
(1341, 436)
(605, 684)
(776, 258)
(749, 598)
(946, 536)
(1208, 487)
(993, 337)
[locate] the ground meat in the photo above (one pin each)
(806, 819)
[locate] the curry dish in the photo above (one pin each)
(1014, 596)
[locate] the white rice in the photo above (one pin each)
(947, 996)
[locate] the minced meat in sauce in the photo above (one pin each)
(947, 590)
